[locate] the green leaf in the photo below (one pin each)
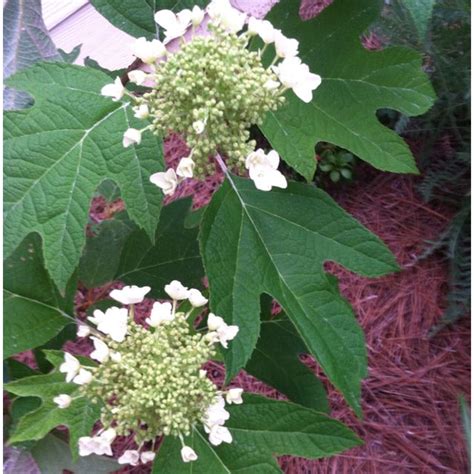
(420, 11)
(175, 255)
(60, 150)
(79, 417)
(25, 42)
(136, 17)
(72, 55)
(275, 361)
(261, 428)
(108, 190)
(355, 84)
(53, 457)
(254, 242)
(101, 257)
(34, 311)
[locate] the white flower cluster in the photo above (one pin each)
(144, 372)
(285, 72)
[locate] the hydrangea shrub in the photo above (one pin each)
(212, 74)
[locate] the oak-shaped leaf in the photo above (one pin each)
(59, 151)
(253, 242)
(355, 84)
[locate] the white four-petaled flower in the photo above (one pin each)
(113, 322)
(148, 51)
(285, 47)
(63, 400)
(188, 454)
(295, 75)
(219, 434)
(223, 13)
(132, 136)
(174, 25)
(147, 456)
(185, 168)
(131, 456)
(141, 112)
(70, 366)
(263, 170)
(116, 90)
(100, 444)
(262, 28)
(176, 290)
(196, 298)
(220, 331)
(234, 395)
(167, 181)
(130, 294)
(138, 76)
(160, 313)
(83, 377)
(101, 351)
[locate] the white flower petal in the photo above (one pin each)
(147, 456)
(185, 168)
(101, 351)
(160, 313)
(130, 294)
(70, 366)
(214, 322)
(188, 454)
(132, 136)
(234, 395)
(83, 377)
(196, 298)
(131, 456)
(63, 400)
(83, 330)
(176, 290)
(167, 181)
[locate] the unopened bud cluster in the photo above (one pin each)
(150, 382)
(211, 91)
(157, 388)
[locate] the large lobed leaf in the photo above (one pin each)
(79, 417)
(34, 311)
(261, 428)
(25, 42)
(59, 151)
(276, 243)
(355, 84)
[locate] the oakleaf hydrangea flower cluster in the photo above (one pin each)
(213, 89)
(150, 382)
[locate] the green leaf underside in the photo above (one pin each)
(355, 84)
(174, 256)
(34, 311)
(79, 417)
(60, 150)
(254, 242)
(26, 41)
(136, 17)
(53, 457)
(261, 428)
(275, 361)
